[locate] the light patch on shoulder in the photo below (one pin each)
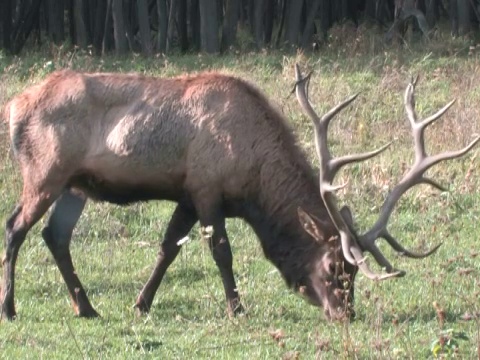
(119, 139)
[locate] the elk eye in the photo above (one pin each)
(331, 268)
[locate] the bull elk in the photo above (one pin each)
(213, 144)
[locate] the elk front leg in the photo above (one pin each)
(57, 235)
(222, 254)
(213, 215)
(182, 221)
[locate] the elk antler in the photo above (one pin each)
(352, 246)
(328, 168)
(413, 177)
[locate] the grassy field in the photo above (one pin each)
(436, 306)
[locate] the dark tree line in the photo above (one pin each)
(159, 26)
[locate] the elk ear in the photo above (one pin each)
(309, 225)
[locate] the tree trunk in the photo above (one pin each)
(195, 24)
(36, 33)
(284, 4)
(182, 26)
(131, 25)
(20, 11)
(162, 26)
(171, 23)
(99, 25)
(89, 12)
(258, 21)
(325, 20)
(386, 11)
(121, 45)
(250, 13)
(269, 20)
(144, 25)
(56, 23)
(80, 27)
(309, 24)
(403, 12)
(344, 10)
(25, 25)
(292, 34)
(229, 33)
(71, 21)
(7, 24)
(431, 12)
(454, 17)
(371, 9)
(107, 43)
(209, 26)
(464, 22)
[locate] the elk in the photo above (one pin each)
(216, 146)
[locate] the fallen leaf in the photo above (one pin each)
(277, 335)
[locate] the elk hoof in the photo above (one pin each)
(141, 308)
(139, 312)
(8, 310)
(352, 315)
(234, 308)
(10, 315)
(88, 314)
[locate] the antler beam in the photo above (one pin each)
(329, 168)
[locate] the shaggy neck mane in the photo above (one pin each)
(287, 182)
(275, 220)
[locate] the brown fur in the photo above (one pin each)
(211, 139)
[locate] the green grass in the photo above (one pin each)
(114, 248)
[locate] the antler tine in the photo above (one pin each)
(336, 109)
(422, 160)
(413, 177)
(401, 250)
(437, 115)
(448, 155)
(338, 163)
(328, 169)
(362, 265)
(304, 103)
(418, 128)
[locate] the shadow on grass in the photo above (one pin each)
(146, 345)
(125, 287)
(186, 276)
(424, 317)
(185, 308)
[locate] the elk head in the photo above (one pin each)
(331, 283)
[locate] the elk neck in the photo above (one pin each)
(288, 182)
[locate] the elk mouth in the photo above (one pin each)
(339, 311)
(337, 303)
(336, 314)
(338, 307)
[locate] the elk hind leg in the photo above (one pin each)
(182, 221)
(57, 235)
(31, 208)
